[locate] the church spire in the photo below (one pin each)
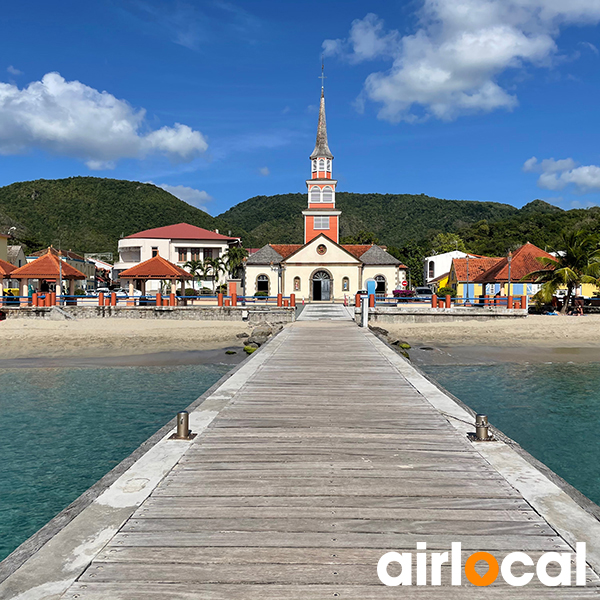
(321, 147)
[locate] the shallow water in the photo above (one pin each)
(63, 428)
(551, 410)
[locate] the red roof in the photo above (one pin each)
(181, 231)
(477, 266)
(6, 268)
(524, 261)
(47, 267)
(356, 249)
(156, 267)
(286, 249)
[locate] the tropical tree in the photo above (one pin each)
(576, 263)
(234, 259)
(447, 242)
(362, 237)
(195, 269)
(215, 266)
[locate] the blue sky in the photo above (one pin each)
(466, 99)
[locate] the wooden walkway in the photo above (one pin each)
(326, 459)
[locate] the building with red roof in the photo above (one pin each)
(177, 244)
(321, 269)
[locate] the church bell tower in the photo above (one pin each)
(321, 215)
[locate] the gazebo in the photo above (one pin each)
(47, 268)
(157, 268)
(6, 270)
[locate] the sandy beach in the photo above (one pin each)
(26, 338)
(534, 330)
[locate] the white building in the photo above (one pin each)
(177, 243)
(440, 264)
(321, 269)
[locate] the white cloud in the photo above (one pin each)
(264, 171)
(558, 174)
(13, 70)
(197, 198)
(451, 64)
(73, 119)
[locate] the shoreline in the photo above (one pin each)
(112, 339)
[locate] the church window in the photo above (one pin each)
(327, 194)
(329, 165)
(314, 165)
(315, 194)
(321, 222)
(262, 284)
(431, 269)
(321, 164)
(296, 284)
(380, 288)
(345, 284)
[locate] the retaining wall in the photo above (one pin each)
(394, 314)
(270, 314)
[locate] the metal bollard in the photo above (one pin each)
(481, 428)
(183, 425)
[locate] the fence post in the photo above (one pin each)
(433, 301)
(448, 301)
(371, 300)
(234, 299)
(219, 299)
(279, 300)
(34, 299)
(357, 300)
(293, 300)
(172, 299)
(524, 302)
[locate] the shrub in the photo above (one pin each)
(79, 292)
(261, 294)
(447, 291)
(190, 292)
(206, 291)
(403, 293)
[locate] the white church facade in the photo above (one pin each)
(321, 269)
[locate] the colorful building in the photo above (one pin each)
(321, 269)
(464, 273)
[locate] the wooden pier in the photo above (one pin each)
(324, 460)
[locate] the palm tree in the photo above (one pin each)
(195, 269)
(234, 259)
(578, 262)
(215, 266)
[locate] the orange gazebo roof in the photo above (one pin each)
(6, 268)
(47, 267)
(156, 267)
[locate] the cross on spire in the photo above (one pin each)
(322, 76)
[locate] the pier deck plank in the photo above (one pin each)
(324, 460)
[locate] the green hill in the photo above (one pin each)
(89, 214)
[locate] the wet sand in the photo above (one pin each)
(106, 338)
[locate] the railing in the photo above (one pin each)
(48, 299)
(508, 302)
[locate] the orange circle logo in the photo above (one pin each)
(474, 577)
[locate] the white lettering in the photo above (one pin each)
(456, 563)
(508, 562)
(405, 561)
(437, 560)
(580, 560)
(563, 578)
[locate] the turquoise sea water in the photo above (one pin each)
(551, 410)
(62, 429)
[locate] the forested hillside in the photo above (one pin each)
(89, 214)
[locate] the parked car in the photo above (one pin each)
(423, 293)
(95, 293)
(123, 293)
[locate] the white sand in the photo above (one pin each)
(24, 338)
(534, 330)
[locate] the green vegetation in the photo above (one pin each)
(250, 349)
(577, 263)
(90, 214)
(446, 291)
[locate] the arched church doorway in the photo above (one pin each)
(321, 286)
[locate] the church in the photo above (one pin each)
(321, 269)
